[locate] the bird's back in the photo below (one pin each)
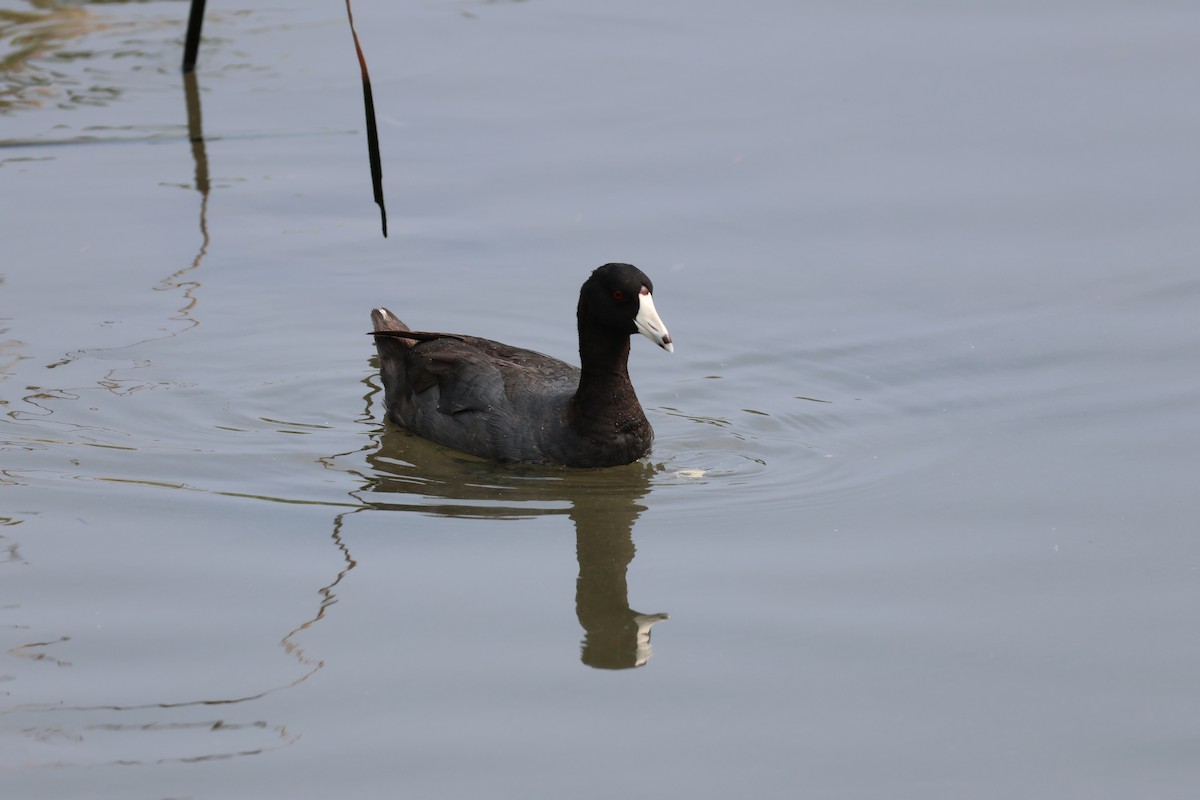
(477, 395)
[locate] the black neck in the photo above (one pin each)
(604, 362)
(604, 385)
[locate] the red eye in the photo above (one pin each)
(618, 295)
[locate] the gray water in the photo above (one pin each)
(920, 520)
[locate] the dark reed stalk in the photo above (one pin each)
(191, 43)
(372, 132)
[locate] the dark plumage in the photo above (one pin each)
(509, 404)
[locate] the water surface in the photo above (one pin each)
(919, 521)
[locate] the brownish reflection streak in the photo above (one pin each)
(289, 740)
(231, 701)
(328, 597)
(242, 495)
(206, 725)
(282, 731)
(123, 387)
(40, 394)
(26, 651)
(191, 93)
(189, 287)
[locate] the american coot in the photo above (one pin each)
(509, 404)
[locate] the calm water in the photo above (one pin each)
(921, 517)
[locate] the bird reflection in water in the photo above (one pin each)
(411, 474)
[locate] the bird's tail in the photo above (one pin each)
(384, 320)
(392, 350)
